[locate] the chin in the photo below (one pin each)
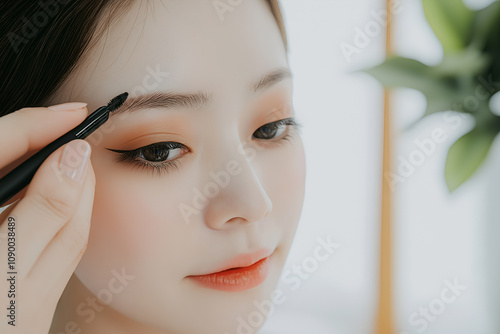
(246, 311)
(230, 312)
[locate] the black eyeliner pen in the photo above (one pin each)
(22, 175)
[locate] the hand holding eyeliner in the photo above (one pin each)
(21, 176)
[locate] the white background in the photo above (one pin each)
(437, 236)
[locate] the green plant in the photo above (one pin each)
(471, 44)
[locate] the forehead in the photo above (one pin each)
(179, 45)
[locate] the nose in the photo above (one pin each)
(241, 197)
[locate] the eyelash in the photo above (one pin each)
(133, 156)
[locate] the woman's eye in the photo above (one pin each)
(163, 156)
(158, 152)
(274, 130)
(158, 157)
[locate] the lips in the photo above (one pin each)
(240, 273)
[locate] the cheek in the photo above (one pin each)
(293, 175)
(122, 218)
(134, 218)
(286, 177)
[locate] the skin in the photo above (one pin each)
(137, 225)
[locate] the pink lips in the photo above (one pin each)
(240, 273)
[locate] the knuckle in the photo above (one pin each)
(75, 240)
(54, 206)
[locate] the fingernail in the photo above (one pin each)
(74, 159)
(68, 106)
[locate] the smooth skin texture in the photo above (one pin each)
(52, 216)
(138, 231)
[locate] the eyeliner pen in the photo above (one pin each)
(21, 176)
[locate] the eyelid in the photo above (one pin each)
(147, 134)
(292, 121)
(275, 114)
(168, 144)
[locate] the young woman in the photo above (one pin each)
(183, 217)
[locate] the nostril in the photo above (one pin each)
(236, 220)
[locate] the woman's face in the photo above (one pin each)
(225, 183)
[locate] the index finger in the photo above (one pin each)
(30, 129)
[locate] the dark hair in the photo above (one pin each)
(42, 41)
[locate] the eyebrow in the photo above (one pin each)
(172, 100)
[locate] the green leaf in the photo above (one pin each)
(468, 62)
(451, 21)
(410, 73)
(406, 72)
(466, 155)
(491, 22)
(485, 26)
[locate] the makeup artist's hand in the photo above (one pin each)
(51, 220)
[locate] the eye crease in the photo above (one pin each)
(158, 157)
